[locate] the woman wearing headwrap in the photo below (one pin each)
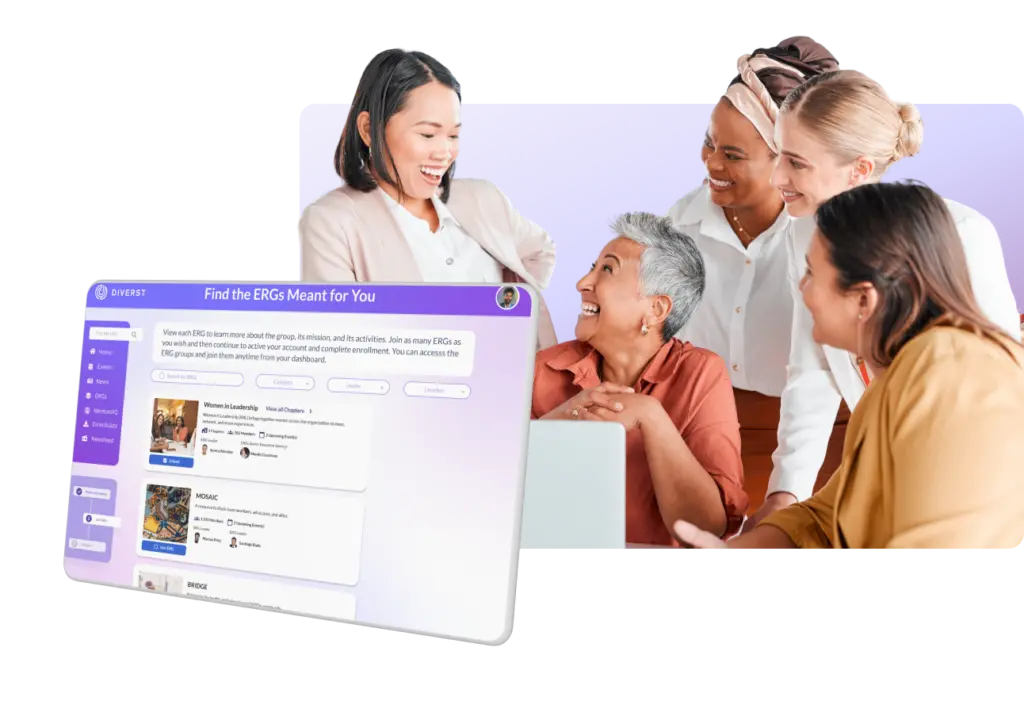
(738, 220)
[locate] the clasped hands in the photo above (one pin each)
(611, 402)
(618, 403)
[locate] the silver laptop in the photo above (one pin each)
(575, 494)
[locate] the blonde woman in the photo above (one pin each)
(837, 131)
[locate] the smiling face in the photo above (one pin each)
(612, 309)
(838, 315)
(808, 174)
(737, 160)
(423, 139)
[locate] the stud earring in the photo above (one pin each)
(643, 328)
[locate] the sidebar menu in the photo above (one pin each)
(101, 388)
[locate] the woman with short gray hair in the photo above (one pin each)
(675, 400)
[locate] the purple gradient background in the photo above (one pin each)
(442, 506)
(572, 168)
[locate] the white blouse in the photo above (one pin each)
(822, 376)
(449, 255)
(746, 314)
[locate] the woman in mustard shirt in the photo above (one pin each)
(932, 451)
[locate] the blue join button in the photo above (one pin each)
(163, 547)
(170, 460)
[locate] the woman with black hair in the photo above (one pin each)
(738, 220)
(400, 216)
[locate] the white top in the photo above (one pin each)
(448, 256)
(746, 314)
(822, 376)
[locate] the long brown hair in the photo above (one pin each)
(900, 238)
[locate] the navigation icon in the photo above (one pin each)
(85, 424)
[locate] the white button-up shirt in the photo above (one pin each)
(746, 314)
(449, 255)
(822, 376)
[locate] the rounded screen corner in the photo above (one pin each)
(502, 637)
(69, 566)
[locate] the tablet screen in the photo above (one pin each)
(349, 452)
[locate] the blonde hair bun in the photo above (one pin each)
(911, 132)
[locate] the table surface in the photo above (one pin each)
(173, 446)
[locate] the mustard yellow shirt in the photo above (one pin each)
(932, 455)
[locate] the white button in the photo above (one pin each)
(357, 385)
(284, 382)
(735, 366)
(437, 390)
(450, 261)
(87, 545)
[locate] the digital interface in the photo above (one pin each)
(349, 452)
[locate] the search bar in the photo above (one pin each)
(196, 377)
(97, 333)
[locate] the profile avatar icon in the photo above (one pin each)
(508, 298)
(234, 542)
(205, 447)
(197, 538)
(244, 452)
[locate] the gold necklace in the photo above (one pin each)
(739, 228)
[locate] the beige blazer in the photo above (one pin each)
(932, 455)
(351, 236)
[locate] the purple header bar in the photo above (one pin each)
(420, 299)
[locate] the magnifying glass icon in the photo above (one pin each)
(134, 335)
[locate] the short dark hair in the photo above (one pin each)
(383, 90)
(511, 290)
(901, 238)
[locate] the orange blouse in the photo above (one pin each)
(693, 386)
